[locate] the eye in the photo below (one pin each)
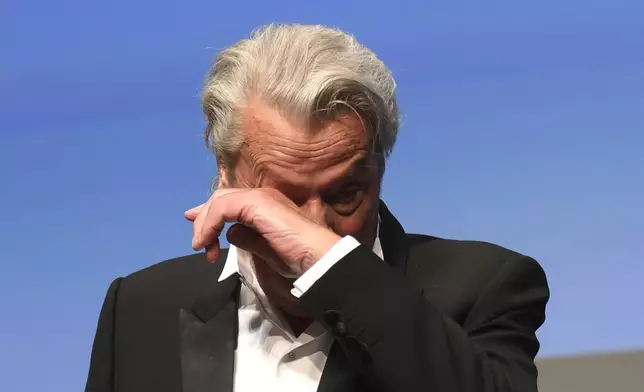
(346, 199)
(346, 195)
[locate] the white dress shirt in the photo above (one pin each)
(269, 357)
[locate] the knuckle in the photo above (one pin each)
(263, 195)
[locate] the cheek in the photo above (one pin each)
(361, 224)
(347, 225)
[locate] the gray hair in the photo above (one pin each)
(307, 72)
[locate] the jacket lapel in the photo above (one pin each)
(393, 239)
(338, 374)
(209, 339)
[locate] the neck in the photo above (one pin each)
(298, 324)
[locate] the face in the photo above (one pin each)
(330, 172)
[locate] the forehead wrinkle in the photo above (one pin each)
(296, 152)
(334, 150)
(264, 130)
(258, 126)
(302, 178)
(259, 147)
(306, 165)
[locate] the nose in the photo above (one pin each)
(314, 209)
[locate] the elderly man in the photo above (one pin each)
(321, 289)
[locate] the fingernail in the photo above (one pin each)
(195, 241)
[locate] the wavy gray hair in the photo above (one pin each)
(307, 72)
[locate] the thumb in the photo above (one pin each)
(250, 240)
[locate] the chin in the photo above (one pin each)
(278, 290)
(282, 297)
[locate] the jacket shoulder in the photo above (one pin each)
(174, 282)
(455, 274)
(467, 251)
(464, 264)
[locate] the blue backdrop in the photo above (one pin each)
(523, 126)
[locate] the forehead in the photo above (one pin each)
(279, 149)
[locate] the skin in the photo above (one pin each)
(298, 189)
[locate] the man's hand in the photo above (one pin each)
(267, 224)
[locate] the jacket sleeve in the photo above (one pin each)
(101, 368)
(399, 341)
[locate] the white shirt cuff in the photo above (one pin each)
(335, 254)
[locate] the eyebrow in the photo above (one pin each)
(355, 171)
(358, 165)
(357, 168)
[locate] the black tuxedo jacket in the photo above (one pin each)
(440, 315)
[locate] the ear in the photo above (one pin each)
(223, 178)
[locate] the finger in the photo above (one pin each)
(197, 226)
(213, 251)
(227, 191)
(192, 213)
(248, 239)
(224, 206)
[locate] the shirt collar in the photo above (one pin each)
(231, 265)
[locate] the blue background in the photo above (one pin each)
(524, 126)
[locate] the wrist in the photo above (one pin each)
(321, 243)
